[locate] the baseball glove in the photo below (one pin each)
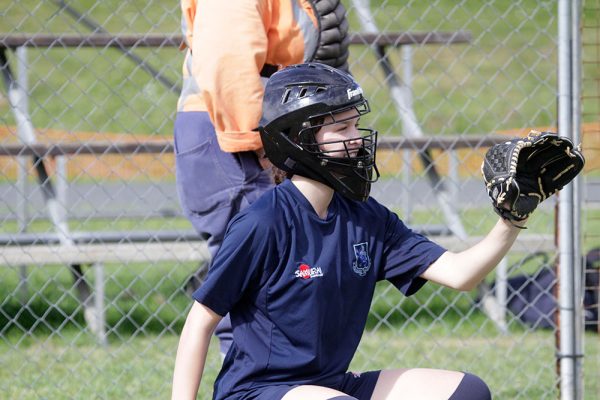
(521, 173)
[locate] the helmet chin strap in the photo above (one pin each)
(341, 183)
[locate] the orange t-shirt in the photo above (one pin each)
(228, 43)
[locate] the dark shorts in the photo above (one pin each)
(360, 386)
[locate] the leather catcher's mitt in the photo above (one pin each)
(521, 173)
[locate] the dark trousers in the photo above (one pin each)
(213, 185)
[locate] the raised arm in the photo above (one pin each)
(519, 175)
(191, 353)
(466, 269)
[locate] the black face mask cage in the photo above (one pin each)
(306, 135)
(357, 160)
(362, 108)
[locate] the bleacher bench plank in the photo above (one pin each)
(104, 253)
(525, 243)
(162, 40)
(153, 146)
(191, 251)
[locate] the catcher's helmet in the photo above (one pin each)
(298, 101)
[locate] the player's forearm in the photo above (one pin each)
(482, 258)
(191, 353)
(466, 269)
(189, 365)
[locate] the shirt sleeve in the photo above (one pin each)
(407, 255)
(229, 49)
(238, 266)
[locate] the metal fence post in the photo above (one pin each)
(578, 263)
(407, 172)
(570, 379)
(22, 172)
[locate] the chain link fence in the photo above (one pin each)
(96, 257)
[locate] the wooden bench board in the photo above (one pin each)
(525, 243)
(191, 251)
(104, 253)
(164, 40)
(154, 146)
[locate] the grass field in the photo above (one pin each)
(142, 367)
(47, 352)
(69, 364)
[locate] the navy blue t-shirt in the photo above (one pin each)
(299, 288)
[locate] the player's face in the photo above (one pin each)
(340, 137)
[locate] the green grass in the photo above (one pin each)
(71, 365)
(46, 352)
(140, 298)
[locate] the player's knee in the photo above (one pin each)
(471, 387)
(343, 398)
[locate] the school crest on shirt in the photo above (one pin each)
(362, 262)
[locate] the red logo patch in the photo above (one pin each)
(305, 271)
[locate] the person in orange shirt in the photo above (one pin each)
(232, 47)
